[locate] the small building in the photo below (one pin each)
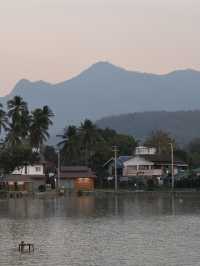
(145, 165)
(24, 183)
(138, 166)
(77, 178)
(28, 178)
(33, 170)
(152, 165)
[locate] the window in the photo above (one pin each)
(37, 168)
(143, 167)
(133, 167)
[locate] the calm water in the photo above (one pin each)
(132, 230)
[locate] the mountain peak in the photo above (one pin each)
(22, 82)
(105, 65)
(101, 68)
(24, 85)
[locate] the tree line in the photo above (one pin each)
(23, 132)
(92, 146)
(189, 153)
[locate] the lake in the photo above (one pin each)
(138, 229)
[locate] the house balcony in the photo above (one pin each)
(149, 172)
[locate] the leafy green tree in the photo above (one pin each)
(161, 141)
(15, 157)
(93, 146)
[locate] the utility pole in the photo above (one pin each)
(115, 152)
(58, 171)
(172, 165)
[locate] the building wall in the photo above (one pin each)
(37, 169)
(148, 172)
(37, 183)
(67, 183)
(86, 184)
(138, 166)
(20, 186)
(141, 150)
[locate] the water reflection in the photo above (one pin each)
(135, 205)
(137, 229)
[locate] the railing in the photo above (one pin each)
(150, 172)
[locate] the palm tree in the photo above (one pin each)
(16, 107)
(3, 119)
(70, 145)
(18, 115)
(89, 138)
(39, 125)
(47, 114)
(69, 132)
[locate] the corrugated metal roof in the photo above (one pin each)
(75, 169)
(76, 172)
(27, 178)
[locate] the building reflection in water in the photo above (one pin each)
(135, 205)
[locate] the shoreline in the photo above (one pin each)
(97, 193)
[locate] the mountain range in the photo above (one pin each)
(106, 90)
(184, 126)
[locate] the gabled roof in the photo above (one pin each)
(70, 172)
(74, 169)
(153, 158)
(138, 160)
(120, 160)
(124, 158)
(162, 158)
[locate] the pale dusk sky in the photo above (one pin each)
(53, 40)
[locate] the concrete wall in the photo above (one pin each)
(37, 183)
(67, 183)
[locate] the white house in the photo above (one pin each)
(36, 169)
(27, 178)
(139, 166)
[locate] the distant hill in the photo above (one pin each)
(183, 125)
(104, 89)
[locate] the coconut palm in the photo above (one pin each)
(70, 145)
(16, 107)
(39, 125)
(3, 119)
(89, 137)
(19, 120)
(47, 114)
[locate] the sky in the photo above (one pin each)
(54, 40)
